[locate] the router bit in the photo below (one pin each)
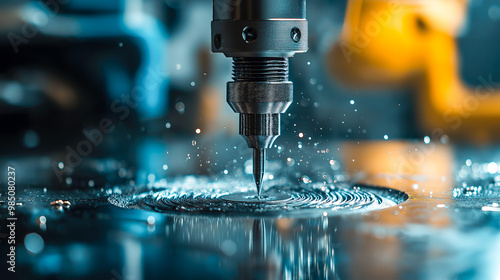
(259, 161)
(260, 36)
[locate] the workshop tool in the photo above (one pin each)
(260, 36)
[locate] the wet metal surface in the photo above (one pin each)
(198, 195)
(446, 229)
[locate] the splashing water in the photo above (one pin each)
(202, 196)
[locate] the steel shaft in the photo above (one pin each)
(260, 36)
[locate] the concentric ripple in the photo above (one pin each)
(278, 200)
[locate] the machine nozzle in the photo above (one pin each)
(260, 92)
(260, 36)
(259, 161)
(260, 131)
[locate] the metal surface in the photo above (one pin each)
(423, 238)
(258, 9)
(259, 161)
(260, 36)
(277, 197)
(445, 230)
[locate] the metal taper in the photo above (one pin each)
(260, 36)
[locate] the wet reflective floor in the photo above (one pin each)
(423, 223)
(435, 234)
(227, 197)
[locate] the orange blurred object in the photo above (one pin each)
(396, 163)
(412, 43)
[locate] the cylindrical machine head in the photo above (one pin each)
(259, 9)
(260, 35)
(259, 28)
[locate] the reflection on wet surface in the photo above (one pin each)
(201, 196)
(479, 186)
(444, 230)
(424, 237)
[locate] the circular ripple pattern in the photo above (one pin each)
(307, 200)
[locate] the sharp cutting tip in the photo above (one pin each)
(259, 159)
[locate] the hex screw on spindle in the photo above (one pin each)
(295, 34)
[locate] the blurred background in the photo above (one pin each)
(95, 95)
(375, 71)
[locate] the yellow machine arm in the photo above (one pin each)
(412, 43)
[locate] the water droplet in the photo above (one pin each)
(122, 172)
(168, 125)
(492, 167)
(165, 167)
(352, 102)
(60, 165)
(151, 177)
(42, 219)
(120, 44)
(60, 203)
(301, 135)
(180, 107)
(427, 140)
(31, 139)
(490, 209)
(178, 66)
(193, 84)
(151, 220)
(228, 247)
(306, 179)
(34, 243)
(69, 180)
(193, 142)
(198, 131)
(91, 183)
(386, 137)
